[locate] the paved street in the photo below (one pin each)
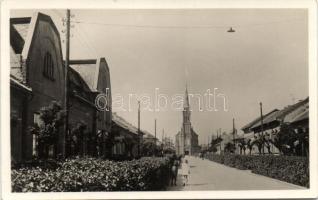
(208, 175)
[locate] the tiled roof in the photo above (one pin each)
(302, 116)
(298, 114)
(284, 112)
(16, 67)
(18, 34)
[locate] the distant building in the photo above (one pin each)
(167, 143)
(125, 139)
(186, 139)
(148, 137)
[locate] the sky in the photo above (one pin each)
(264, 60)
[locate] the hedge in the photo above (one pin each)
(290, 169)
(91, 174)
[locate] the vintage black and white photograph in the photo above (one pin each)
(165, 100)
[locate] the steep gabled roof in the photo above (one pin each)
(21, 38)
(19, 29)
(89, 70)
(76, 79)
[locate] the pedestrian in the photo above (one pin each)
(174, 172)
(185, 169)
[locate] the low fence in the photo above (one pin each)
(290, 169)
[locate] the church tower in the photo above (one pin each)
(187, 123)
(186, 138)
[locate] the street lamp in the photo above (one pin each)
(231, 30)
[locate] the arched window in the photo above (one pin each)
(48, 66)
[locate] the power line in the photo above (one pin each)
(182, 27)
(87, 41)
(82, 40)
(79, 37)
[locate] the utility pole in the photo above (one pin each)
(234, 131)
(208, 141)
(139, 133)
(66, 79)
(163, 134)
(220, 143)
(261, 109)
(234, 134)
(155, 131)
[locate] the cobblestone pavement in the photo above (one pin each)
(208, 175)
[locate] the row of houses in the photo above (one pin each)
(296, 116)
(37, 78)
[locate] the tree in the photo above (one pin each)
(48, 129)
(302, 148)
(285, 139)
(242, 146)
(267, 142)
(229, 147)
(129, 143)
(77, 139)
(259, 142)
(249, 145)
(214, 143)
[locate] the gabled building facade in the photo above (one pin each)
(37, 68)
(96, 76)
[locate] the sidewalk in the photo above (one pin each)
(208, 175)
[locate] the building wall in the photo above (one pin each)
(17, 115)
(45, 39)
(120, 147)
(82, 112)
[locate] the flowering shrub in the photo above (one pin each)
(90, 174)
(291, 169)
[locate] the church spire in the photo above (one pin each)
(186, 96)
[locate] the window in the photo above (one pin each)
(48, 66)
